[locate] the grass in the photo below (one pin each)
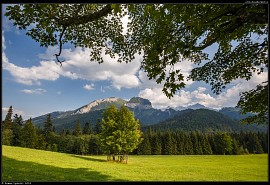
(29, 165)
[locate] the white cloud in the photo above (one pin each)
(125, 80)
(59, 92)
(89, 86)
(160, 100)
(185, 97)
(231, 96)
(34, 91)
(125, 21)
(3, 42)
(47, 70)
(77, 65)
(102, 89)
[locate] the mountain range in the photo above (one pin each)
(196, 116)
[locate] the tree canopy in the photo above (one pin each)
(120, 132)
(164, 34)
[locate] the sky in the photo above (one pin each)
(34, 84)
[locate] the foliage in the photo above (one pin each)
(7, 123)
(77, 131)
(120, 132)
(28, 136)
(165, 34)
(7, 136)
(204, 120)
(180, 142)
(48, 126)
(87, 129)
(253, 101)
(18, 120)
(145, 147)
(223, 143)
(16, 131)
(41, 143)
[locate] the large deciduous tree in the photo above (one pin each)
(165, 34)
(120, 133)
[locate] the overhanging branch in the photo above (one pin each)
(76, 20)
(60, 47)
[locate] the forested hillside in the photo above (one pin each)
(204, 120)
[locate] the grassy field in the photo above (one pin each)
(23, 164)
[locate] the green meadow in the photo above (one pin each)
(30, 165)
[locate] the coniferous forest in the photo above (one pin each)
(85, 140)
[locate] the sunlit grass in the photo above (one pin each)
(23, 164)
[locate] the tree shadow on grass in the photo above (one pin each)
(89, 158)
(22, 171)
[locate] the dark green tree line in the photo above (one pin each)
(155, 142)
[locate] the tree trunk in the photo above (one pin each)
(126, 158)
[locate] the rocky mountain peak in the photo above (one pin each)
(137, 102)
(99, 104)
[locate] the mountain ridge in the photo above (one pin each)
(142, 109)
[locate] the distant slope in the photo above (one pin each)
(152, 116)
(91, 112)
(188, 119)
(204, 120)
(69, 121)
(234, 113)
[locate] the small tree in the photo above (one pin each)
(223, 143)
(87, 129)
(68, 132)
(77, 131)
(7, 137)
(120, 133)
(7, 123)
(28, 137)
(18, 119)
(97, 128)
(145, 146)
(41, 143)
(48, 126)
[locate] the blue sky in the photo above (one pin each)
(34, 84)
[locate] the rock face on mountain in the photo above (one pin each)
(99, 105)
(196, 106)
(137, 102)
